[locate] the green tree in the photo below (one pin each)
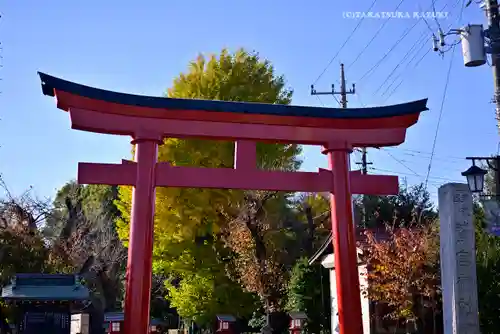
(82, 238)
(93, 201)
(488, 274)
(308, 290)
(22, 247)
(410, 207)
(261, 258)
(487, 262)
(190, 223)
(78, 236)
(312, 223)
(21, 251)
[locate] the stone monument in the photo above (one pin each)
(458, 260)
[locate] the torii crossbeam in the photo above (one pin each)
(148, 120)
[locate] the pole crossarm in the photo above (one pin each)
(167, 175)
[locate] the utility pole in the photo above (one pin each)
(343, 104)
(364, 163)
(493, 33)
(343, 92)
(477, 42)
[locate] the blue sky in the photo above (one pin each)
(139, 47)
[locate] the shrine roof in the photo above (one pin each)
(298, 315)
(226, 317)
(51, 85)
(326, 248)
(45, 287)
(119, 316)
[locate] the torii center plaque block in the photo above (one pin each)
(148, 120)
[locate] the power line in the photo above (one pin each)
(344, 44)
(319, 99)
(359, 99)
(442, 103)
(338, 102)
(418, 175)
(433, 7)
(400, 162)
(413, 173)
(434, 12)
(405, 33)
(428, 25)
(418, 41)
(440, 116)
(423, 56)
(373, 38)
(422, 45)
(377, 64)
(444, 166)
(403, 36)
(448, 157)
(404, 77)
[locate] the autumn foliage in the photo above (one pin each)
(206, 239)
(256, 262)
(404, 271)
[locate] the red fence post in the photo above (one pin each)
(140, 249)
(344, 243)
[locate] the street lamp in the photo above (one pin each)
(490, 202)
(475, 178)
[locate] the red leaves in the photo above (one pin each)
(403, 270)
(255, 262)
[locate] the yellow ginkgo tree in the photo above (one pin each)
(192, 224)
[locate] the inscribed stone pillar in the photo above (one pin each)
(458, 260)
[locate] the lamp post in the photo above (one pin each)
(475, 175)
(475, 178)
(490, 202)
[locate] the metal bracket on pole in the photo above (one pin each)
(343, 92)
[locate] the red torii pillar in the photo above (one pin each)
(148, 120)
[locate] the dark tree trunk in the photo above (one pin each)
(311, 230)
(4, 325)
(96, 315)
(279, 322)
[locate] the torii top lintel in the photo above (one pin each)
(103, 111)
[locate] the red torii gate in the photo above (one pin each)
(148, 120)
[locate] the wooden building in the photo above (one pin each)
(297, 322)
(113, 323)
(44, 302)
(226, 324)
